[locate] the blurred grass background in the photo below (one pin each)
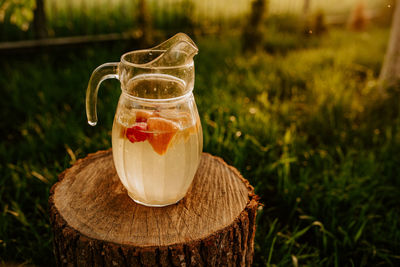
(301, 118)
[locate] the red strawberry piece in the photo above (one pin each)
(137, 133)
(141, 119)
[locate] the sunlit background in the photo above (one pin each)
(303, 112)
(77, 17)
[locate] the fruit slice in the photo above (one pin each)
(137, 133)
(122, 130)
(180, 117)
(142, 116)
(138, 115)
(161, 133)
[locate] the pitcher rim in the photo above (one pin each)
(159, 100)
(136, 65)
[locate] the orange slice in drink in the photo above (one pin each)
(139, 115)
(161, 132)
(142, 115)
(180, 117)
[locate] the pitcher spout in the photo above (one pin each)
(162, 72)
(176, 51)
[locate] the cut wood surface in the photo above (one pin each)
(95, 223)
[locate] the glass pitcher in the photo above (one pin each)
(156, 137)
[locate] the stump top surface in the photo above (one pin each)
(92, 200)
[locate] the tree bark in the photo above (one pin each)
(95, 223)
(390, 72)
(39, 20)
(145, 24)
(252, 36)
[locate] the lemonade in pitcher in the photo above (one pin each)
(156, 153)
(156, 135)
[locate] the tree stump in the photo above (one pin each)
(95, 223)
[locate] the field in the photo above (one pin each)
(303, 122)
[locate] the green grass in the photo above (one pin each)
(306, 127)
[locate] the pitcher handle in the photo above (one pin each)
(101, 73)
